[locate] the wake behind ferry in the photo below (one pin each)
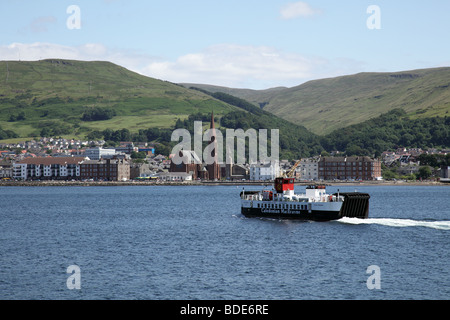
(315, 204)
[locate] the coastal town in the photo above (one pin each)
(58, 159)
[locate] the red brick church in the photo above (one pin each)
(191, 162)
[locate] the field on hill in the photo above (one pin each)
(57, 93)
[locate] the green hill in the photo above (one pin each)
(329, 104)
(57, 94)
(77, 99)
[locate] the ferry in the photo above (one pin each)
(315, 204)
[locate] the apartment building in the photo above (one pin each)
(105, 170)
(349, 168)
(48, 168)
(308, 169)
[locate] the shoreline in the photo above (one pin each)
(54, 183)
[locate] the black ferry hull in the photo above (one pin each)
(299, 215)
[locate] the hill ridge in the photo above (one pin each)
(324, 105)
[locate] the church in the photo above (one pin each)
(191, 163)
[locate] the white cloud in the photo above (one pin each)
(297, 9)
(87, 52)
(41, 50)
(239, 66)
(235, 65)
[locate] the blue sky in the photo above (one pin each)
(245, 43)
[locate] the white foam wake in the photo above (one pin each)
(440, 225)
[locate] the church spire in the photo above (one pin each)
(214, 168)
(212, 126)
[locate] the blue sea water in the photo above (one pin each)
(178, 242)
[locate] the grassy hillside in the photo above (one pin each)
(257, 97)
(56, 93)
(329, 104)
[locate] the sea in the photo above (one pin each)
(192, 243)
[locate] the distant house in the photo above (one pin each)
(141, 170)
(149, 151)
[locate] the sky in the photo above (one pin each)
(256, 44)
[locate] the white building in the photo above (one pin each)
(174, 176)
(267, 171)
(98, 153)
(59, 168)
(308, 169)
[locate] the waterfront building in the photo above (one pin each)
(105, 170)
(174, 176)
(349, 168)
(5, 170)
(308, 169)
(48, 168)
(265, 171)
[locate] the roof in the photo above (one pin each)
(112, 161)
(346, 159)
(47, 161)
